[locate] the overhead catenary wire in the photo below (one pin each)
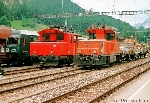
(114, 6)
(135, 3)
(91, 12)
(147, 2)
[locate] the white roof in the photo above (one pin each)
(14, 31)
(27, 32)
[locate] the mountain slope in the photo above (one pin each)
(22, 9)
(145, 24)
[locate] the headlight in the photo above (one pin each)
(34, 52)
(7, 49)
(94, 52)
(13, 50)
(79, 51)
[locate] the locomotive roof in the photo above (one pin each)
(92, 28)
(17, 33)
(59, 30)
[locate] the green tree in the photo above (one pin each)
(5, 21)
(2, 11)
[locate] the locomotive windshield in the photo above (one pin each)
(12, 40)
(109, 36)
(59, 36)
(92, 36)
(46, 37)
(52, 37)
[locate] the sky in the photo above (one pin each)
(118, 5)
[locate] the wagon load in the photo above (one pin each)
(126, 47)
(5, 31)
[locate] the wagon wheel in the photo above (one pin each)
(8, 63)
(17, 63)
(28, 62)
(20, 63)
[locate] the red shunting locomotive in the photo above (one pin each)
(56, 46)
(101, 48)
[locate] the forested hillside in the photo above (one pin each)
(27, 12)
(30, 8)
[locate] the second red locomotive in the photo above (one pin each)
(102, 47)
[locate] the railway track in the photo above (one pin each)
(33, 74)
(13, 85)
(12, 72)
(21, 70)
(10, 88)
(67, 87)
(99, 90)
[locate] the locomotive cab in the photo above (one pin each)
(55, 47)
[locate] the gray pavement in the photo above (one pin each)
(137, 91)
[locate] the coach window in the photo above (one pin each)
(32, 39)
(12, 40)
(23, 41)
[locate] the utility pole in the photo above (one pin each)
(66, 21)
(62, 6)
(35, 24)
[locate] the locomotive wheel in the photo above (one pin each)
(41, 67)
(68, 65)
(107, 60)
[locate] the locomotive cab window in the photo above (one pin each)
(110, 36)
(59, 37)
(46, 37)
(92, 36)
